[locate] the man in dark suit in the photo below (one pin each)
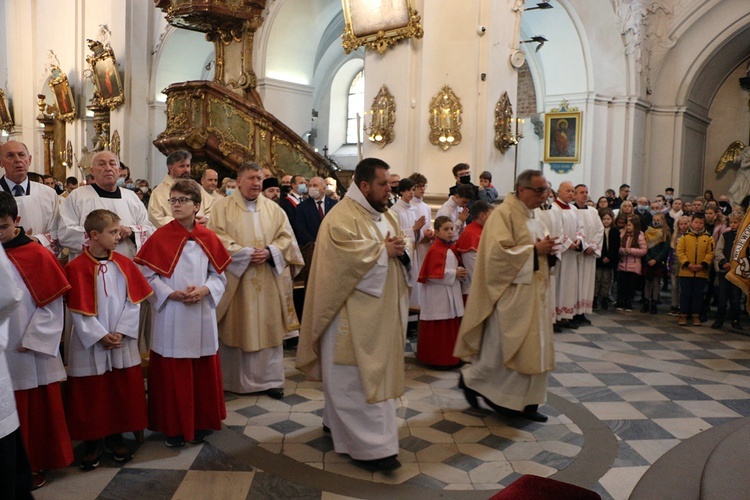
(310, 212)
(290, 202)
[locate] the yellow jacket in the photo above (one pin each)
(695, 248)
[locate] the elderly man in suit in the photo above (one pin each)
(310, 212)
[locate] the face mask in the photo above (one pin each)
(144, 189)
(230, 191)
(724, 204)
(130, 185)
(302, 189)
(641, 208)
(286, 189)
(120, 182)
(656, 224)
(653, 212)
(669, 197)
(314, 193)
(464, 179)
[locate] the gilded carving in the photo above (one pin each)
(445, 119)
(382, 118)
(504, 124)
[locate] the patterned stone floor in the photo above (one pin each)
(625, 390)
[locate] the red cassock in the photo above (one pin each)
(437, 338)
(115, 401)
(185, 394)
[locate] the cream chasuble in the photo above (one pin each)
(159, 211)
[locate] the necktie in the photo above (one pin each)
(320, 210)
(18, 190)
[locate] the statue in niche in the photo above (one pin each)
(738, 154)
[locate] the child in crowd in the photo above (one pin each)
(726, 291)
(695, 253)
(105, 394)
(468, 242)
(487, 191)
(632, 249)
(442, 307)
(606, 264)
(682, 224)
(33, 353)
(655, 262)
(621, 220)
(184, 263)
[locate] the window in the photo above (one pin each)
(355, 106)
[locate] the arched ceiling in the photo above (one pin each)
(182, 57)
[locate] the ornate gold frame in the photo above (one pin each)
(559, 120)
(66, 105)
(6, 120)
(382, 118)
(106, 77)
(378, 27)
(445, 119)
(504, 124)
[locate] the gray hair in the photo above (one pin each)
(524, 178)
(248, 165)
(178, 156)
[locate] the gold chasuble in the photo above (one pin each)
(371, 330)
(504, 281)
(256, 310)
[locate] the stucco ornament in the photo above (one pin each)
(645, 26)
(738, 154)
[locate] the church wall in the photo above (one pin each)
(693, 155)
(730, 121)
(289, 102)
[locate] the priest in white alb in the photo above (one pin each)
(257, 310)
(135, 227)
(178, 167)
(37, 203)
(353, 330)
(593, 234)
(506, 331)
(571, 244)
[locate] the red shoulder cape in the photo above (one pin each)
(40, 271)
(161, 251)
(433, 266)
(82, 272)
(469, 239)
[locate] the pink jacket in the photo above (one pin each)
(631, 262)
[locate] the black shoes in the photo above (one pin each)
(737, 327)
(605, 303)
(200, 436)
(275, 393)
(174, 442)
(115, 445)
(653, 307)
(556, 328)
(581, 319)
(717, 324)
(92, 453)
(531, 412)
(382, 464)
(566, 323)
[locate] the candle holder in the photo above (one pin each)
(445, 119)
(382, 118)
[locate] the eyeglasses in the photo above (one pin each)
(539, 190)
(181, 200)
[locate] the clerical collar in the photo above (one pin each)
(581, 208)
(8, 185)
(252, 205)
(116, 194)
(403, 204)
(562, 204)
(356, 195)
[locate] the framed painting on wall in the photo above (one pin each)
(562, 137)
(60, 87)
(376, 25)
(6, 120)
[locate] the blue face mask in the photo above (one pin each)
(302, 189)
(120, 182)
(130, 185)
(229, 191)
(641, 208)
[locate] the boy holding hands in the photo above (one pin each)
(105, 382)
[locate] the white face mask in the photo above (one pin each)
(314, 193)
(230, 191)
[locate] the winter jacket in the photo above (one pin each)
(695, 248)
(630, 262)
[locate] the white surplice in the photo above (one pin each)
(38, 212)
(186, 330)
(443, 297)
(10, 296)
(420, 249)
(84, 200)
(567, 276)
(593, 233)
(38, 329)
(554, 225)
(451, 210)
(115, 314)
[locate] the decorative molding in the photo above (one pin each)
(445, 119)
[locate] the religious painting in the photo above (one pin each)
(63, 94)
(105, 75)
(376, 25)
(6, 120)
(562, 138)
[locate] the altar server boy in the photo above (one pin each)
(468, 242)
(33, 354)
(185, 263)
(105, 393)
(443, 305)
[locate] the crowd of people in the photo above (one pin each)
(197, 280)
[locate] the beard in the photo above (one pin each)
(378, 205)
(186, 175)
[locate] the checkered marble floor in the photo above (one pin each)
(648, 383)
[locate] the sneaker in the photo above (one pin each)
(200, 436)
(174, 442)
(115, 445)
(737, 327)
(92, 453)
(683, 320)
(674, 312)
(717, 324)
